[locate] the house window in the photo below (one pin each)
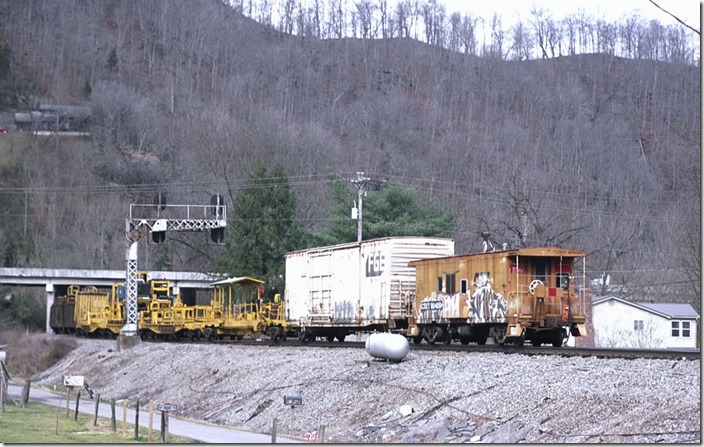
(638, 325)
(681, 329)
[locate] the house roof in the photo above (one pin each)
(667, 310)
(674, 310)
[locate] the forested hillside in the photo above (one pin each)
(593, 148)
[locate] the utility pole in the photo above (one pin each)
(360, 183)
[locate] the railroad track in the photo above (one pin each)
(565, 351)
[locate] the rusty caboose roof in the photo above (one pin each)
(530, 251)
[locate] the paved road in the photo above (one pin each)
(177, 427)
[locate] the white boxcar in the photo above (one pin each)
(341, 289)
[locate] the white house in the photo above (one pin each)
(624, 324)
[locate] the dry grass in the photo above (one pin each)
(29, 354)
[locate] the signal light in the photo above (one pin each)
(158, 237)
(217, 235)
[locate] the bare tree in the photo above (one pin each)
(433, 22)
(540, 24)
(364, 13)
(286, 13)
(338, 22)
(522, 42)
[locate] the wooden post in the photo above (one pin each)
(151, 420)
(112, 407)
(58, 410)
(290, 422)
(2, 392)
(165, 427)
(75, 413)
(136, 420)
(97, 404)
(273, 432)
(68, 397)
(4, 381)
(124, 416)
(25, 394)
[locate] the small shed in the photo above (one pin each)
(627, 324)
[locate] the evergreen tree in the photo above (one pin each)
(263, 226)
(387, 210)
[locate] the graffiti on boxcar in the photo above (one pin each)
(438, 306)
(344, 311)
(483, 305)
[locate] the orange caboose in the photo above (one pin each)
(509, 295)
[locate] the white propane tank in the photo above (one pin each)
(388, 346)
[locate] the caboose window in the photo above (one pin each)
(463, 285)
(450, 283)
(439, 283)
(562, 280)
(540, 270)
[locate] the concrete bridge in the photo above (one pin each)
(56, 281)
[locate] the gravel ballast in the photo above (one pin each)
(428, 397)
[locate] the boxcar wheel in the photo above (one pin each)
(418, 339)
(302, 336)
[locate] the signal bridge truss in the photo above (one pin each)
(157, 220)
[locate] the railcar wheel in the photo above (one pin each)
(211, 334)
(557, 339)
(330, 338)
(536, 343)
(303, 336)
(499, 335)
(433, 334)
(464, 340)
(341, 338)
(417, 339)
